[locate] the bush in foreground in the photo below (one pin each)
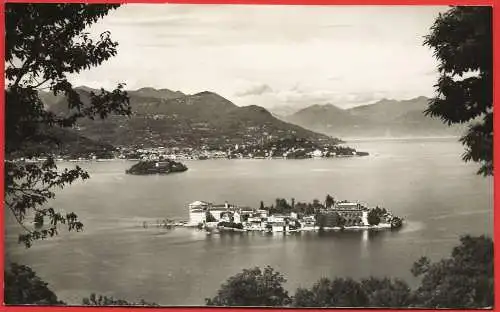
(100, 300)
(23, 286)
(465, 280)
(252, 287)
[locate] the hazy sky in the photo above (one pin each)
(272, 55)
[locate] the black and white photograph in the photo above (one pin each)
(169, 155)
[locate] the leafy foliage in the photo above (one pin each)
(209, 217)
(330, 219)
(385, 292)
(28, 187)
(463, 281)
(45, 43)
(252, 287)
(281, 206)
(462, 42)
(338, 292)
(23, 286)
(373, 217)
(329, 201)
(261, 207)
(100, 300)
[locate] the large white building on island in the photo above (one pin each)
(203, 212)
(353, 212)
(197, 212)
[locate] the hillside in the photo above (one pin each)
(385, 118)
(172, 119)
(65, 142)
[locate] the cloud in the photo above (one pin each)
(343, 55)
(153, 22)
(256, 90)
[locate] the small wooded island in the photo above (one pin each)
(156, 167)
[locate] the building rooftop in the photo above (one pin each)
(247, 208)
(199, 203)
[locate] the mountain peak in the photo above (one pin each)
(385, 100)
(320, 108)
(212, 97)
(146, 89)
(150, 92)
(420, 98)
(203, 93)
(85, 88)
(327, 106)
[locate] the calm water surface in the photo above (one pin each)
(422, 180)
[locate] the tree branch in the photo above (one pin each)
(21, 223)
(23, 70)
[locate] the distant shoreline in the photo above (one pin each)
(378, 139)
(345, 140)
(59, 160)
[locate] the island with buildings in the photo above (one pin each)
(156, 167)
(290, 217)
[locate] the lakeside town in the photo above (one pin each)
(286, 217)
(284, 148)
(292, 151)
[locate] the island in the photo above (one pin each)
(282, 216)
(146, 167)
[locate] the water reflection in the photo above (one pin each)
(360, 237)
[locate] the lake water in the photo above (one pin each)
(423, 181)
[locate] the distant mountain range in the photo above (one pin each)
(385, 118)
(172, 118)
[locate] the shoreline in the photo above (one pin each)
(217, 230)
(416, 138)
(182, 159)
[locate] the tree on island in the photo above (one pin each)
(329, 201)
(373, 217)
(463, 44)
(209, 217)
(44, 44)
(302, 209)
(281, 207)
(317, 206)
